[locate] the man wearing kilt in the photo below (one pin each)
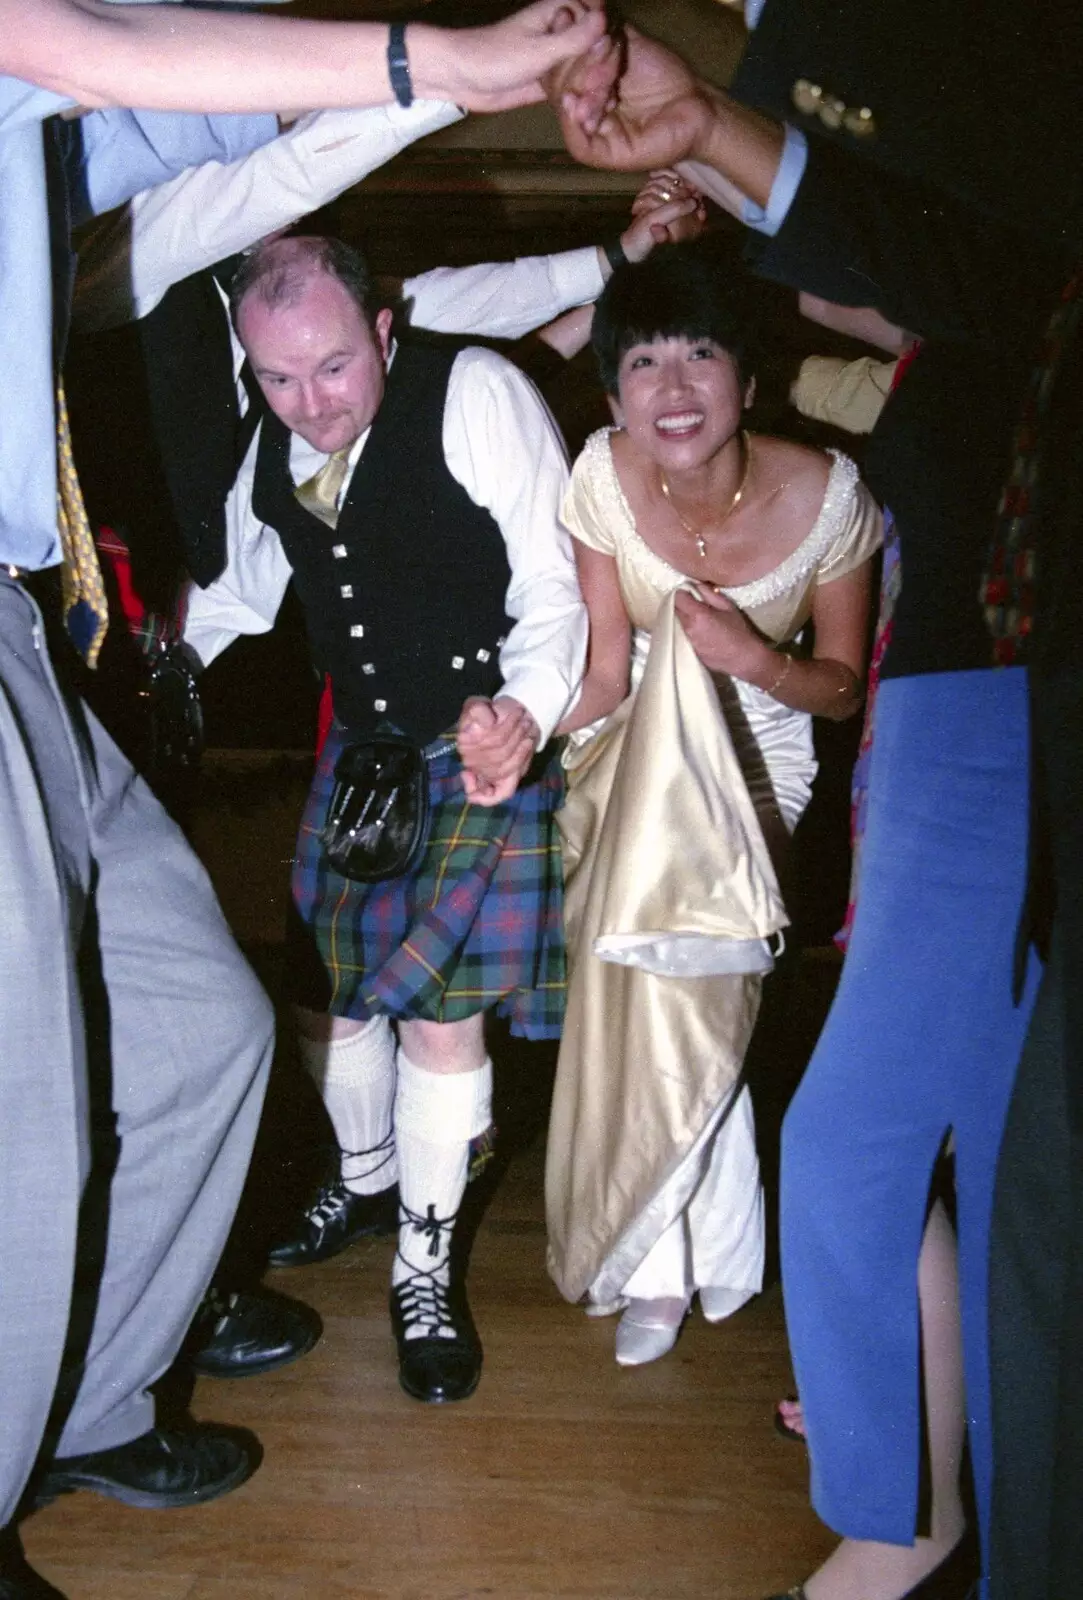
(412, 494)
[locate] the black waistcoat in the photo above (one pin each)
(159, 433)
(404, 600)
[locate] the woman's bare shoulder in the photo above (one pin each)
(794, 475)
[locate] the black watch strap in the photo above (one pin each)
(614, 254)
(398, 66)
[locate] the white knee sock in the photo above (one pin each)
(356, 1077)
(436, 1116)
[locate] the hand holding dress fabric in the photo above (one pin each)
(718, 631)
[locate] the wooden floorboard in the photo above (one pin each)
(562, 1478)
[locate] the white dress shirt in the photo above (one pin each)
(129, 260)
(502, 446)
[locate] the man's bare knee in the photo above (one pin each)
(445, 1046)
(320, 1026)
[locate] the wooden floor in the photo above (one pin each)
(563, 1478)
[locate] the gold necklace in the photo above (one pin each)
(701, 543)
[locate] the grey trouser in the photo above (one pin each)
(134, 1049)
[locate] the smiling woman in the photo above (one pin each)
(703, 552)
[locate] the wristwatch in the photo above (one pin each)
(398, 65)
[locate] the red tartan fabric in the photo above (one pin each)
(1007, 592)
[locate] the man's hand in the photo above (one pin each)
(662, 112)
(496, 741)
(508, 63)
(718, 632)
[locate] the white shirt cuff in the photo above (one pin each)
(544, 692)
(577, 276)
(791, 169)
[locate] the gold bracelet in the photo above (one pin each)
(773, 688)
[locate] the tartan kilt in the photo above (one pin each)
(477, 924)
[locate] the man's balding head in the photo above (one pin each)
(302, 310)
(278, 270)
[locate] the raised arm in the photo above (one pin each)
(129, 258)
(171, 58)
(665, 209)
(507, 299)
(924, 259)
(664, 115)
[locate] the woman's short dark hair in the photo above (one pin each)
(681, 291)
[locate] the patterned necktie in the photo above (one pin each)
(1007, 590)
(86, 611)
(319, 494)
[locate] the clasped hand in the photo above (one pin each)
(496, 741)
(718, 631)
(655, 114)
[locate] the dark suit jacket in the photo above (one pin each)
(983, 99)
(159, 434)
(977, 295)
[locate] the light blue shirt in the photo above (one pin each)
(125, 151)
(791, 169)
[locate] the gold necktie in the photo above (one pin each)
(86, 610)
(319, 494)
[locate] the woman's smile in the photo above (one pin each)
(679, 424)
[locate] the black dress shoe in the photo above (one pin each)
(18, 1580)
(161, 1469)
(443, 1362)
(335, 1219)
(953, 1579)
(250, 1331)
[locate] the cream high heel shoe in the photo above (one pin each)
(648, 1330)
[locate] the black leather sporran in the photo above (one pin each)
(378, 816)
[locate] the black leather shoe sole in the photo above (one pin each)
(336, 1221)
(162, 1470)
(261, 1332)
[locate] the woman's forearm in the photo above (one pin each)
(822, 687)
(598, 698)
(173, 59)
(166, 57)
(570, 333)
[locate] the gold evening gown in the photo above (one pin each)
(677, 804)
